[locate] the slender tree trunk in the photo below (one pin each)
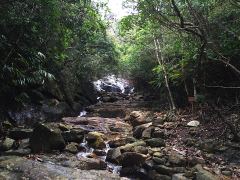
(161, 61)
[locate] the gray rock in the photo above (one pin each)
(18, 152)
(6, 144)
(18, 133)
(130, 159)
(202, 174)
(159, 161)
(193, 124)
(72, 148)
(141, 149)
(179, 176)
(169, 170)
(46, 138)
(130, 147)
(147, 133)
(155, 142)
(177, 159)
(73, 136)
(91, 163)
(114, 155)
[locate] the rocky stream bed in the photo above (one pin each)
(120, 138)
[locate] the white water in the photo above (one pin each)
(121, 83)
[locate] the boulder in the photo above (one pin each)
(139, 117)
(179, 176)
(177, 159)
(147, 133)
(73, 136)
(203, 174)
(130, 147)
(141, 149)
(130, 159)
(96, 140)
(72, 148)
(6, 144)
(91, 163)
(155, 142)
(120, 142)
(114, 155)
(162, 169)
(138, 130)
(46, 138)
(18, 133)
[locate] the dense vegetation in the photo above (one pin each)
(187, 48)
(49, 43)
(180, 48)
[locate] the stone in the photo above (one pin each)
(99, 152)
(114, 155)
(6, 144)
(155, 142)
(193, 124)
(147, 133)
(46, 138)
(130, 159)
(159, 121)
(120, 142)
(139, 117)
(179, 176)
(159, 161)
(96, 140)
(91, 163)
(203, 174)
(130, 147)
(227, 173)
(162, 169)
(72, 148)
(64, 127)
(153, 175)
(141, 149)
(73, 136)
(18, 152)
(177, 159)
(158, 133)
(19, 134)
(137, 172)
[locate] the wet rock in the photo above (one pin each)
(55, 110)
(99, 152)
(179, 176)
(227, 173)
(29, 169)
(130, 147)
(138, 117)
(96, 140)
(72, 148)
(91, 163)
(18, 133)
(73, 136)
(64, 127)
(155, 142)
(147, 133)
(6, 144)
(18, 152)
(130, 159)
(193, 124)
(138, 130)
(162, 169)
(120, 142)
(202, 174)
(153, 175)
(159, 161)
(136, 172)
(141, 149)
(114, 155)
(158, 133)
(46, 138)
(177, 159)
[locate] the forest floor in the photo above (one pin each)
(128, 137)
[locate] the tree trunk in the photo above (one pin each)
(161, 62)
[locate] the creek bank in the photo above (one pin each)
(145, 144)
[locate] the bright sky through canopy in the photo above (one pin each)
(117, 8)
